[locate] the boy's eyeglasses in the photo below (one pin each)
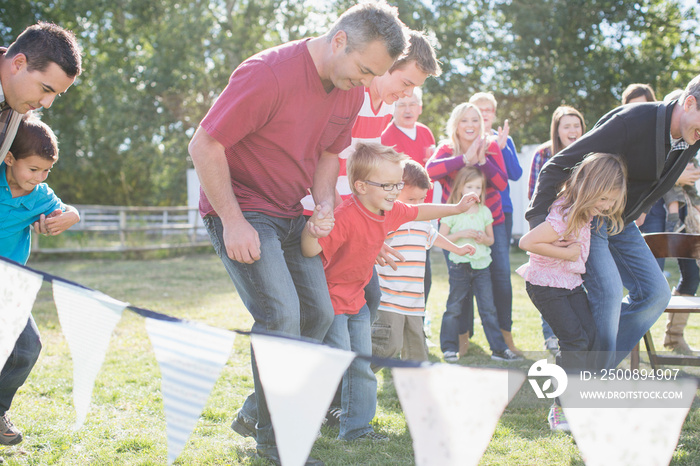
(386, 186)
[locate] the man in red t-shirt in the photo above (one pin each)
(275, 132)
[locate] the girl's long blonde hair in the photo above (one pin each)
(598, 175)
(465, 175)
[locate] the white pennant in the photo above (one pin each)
(452, 411)
(87, 320)
(18, 289)
(299, 380)
(191, 357)
(634, 435)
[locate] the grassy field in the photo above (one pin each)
(126, 424)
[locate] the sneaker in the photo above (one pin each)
(9, 435)
(332, 417)
(373, 436)
(551, 344)
(450, 356)
(505, 355)
(557, 420)
(244, 426)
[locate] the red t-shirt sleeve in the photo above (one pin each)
(245, 105)
(400, 214)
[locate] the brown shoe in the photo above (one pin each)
(464, 343)
(508, 337)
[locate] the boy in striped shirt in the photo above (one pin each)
(399, 325)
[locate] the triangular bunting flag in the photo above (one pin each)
(299, 380)
(452, 411)
(87, 320)
(190, 357)
(18, 289)
(639, 427)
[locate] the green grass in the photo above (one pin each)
(126, 423)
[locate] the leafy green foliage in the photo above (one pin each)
(153, 69)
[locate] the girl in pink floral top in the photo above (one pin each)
(558, 251)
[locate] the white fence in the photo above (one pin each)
(119, 228)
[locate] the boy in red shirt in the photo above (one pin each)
(359, 227)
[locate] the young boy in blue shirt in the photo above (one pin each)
(24, 199)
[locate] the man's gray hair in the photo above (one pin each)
(693, 89)
(371, 21)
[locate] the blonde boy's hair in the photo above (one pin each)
(464, 176)
(414, 174)
(366, 158)
(598, 175)
(484, 97)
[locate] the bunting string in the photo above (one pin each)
(451, 410)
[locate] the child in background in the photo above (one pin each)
(559, 249)
(24, 200)
(399, 325)
(472, 272)
(359, 228)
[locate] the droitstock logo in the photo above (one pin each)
(556, 379)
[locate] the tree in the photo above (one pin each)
(153, 69)
(583, 53)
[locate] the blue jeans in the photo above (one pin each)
(568, 313)
(284, 291)
(500, 280)
(352, 332)
(690, 276)
(614, 262)
(464, 279)
(428, 276)
(465, 321)
(655, 222)
(500, 277)
(373, 296)
(19, 364)
(547, 331)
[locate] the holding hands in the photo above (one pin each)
(56, 222)
(322, 221)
